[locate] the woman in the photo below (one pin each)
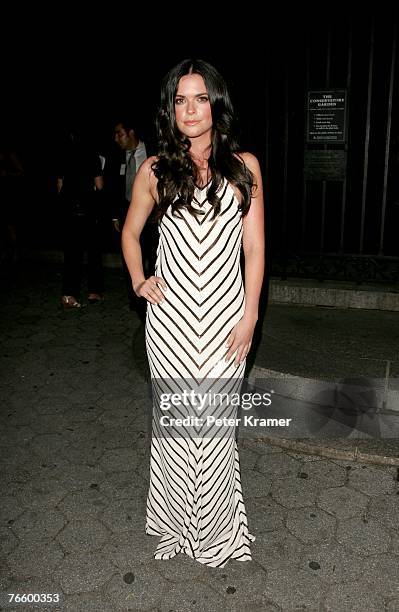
(207, 197)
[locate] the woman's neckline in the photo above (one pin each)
(203, 186)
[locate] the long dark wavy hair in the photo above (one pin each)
(175, 169)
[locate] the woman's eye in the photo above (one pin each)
(179, 101)
(204, 98)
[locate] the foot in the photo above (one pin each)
(95, 298)
(68, 301)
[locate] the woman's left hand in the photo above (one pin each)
(240, 338)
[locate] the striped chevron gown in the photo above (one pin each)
(195, 501)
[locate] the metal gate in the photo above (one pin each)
(332, 153)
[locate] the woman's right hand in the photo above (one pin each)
(149, 289)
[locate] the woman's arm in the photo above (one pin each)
(254, 242)
(254, 254)
(141, 205)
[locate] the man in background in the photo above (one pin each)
(80, 189)
(119, 178)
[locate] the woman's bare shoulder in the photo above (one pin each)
(146, 177)
(250, 160)
(146, 166)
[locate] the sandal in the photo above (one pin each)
(95, 298)
(68, 301)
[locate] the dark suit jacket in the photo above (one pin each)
(114, 189)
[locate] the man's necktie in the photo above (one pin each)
(130, 174)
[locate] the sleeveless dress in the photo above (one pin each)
(195, 500)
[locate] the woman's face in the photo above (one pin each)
(192, 106)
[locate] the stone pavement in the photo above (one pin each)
(75, 434)
(307, 348)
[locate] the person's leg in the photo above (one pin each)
(73, 256)
(95, 272)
